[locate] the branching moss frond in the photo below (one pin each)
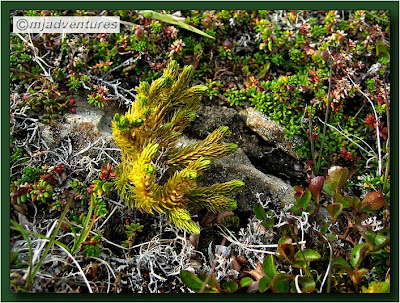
(181, 218)
(211, 148)
(156, 176)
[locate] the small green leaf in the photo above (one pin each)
(106, 186)
(299, 264)
(358, 254)
(260, 212)
(270, 219)
(172, 20)
(340, 262)
(230, 286)
(307, 285)
(245, 281)
(324, 228)
(334, 210)
(382, 236)
(369, 236)
(303, 201)
(264, 283)
(345, 201)
(280, 283)
(296, 210)
(270, 45)
(269, 266)
(307, 255)
(191, 280)
(212, 282)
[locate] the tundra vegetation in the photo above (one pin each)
(123, 211)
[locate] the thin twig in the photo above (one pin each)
(213, 266)
(328, 270)
(377, 123)
(79, 268)
(371, 154)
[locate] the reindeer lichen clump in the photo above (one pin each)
(155, 173)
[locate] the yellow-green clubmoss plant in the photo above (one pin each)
(157, 175)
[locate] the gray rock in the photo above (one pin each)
(86, 126)
(238, 166)
(265, 156)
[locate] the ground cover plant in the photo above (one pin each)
(109, 209)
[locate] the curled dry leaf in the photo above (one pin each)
(194, 239)
(257, 273)
(21, 208)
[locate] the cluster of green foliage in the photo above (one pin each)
(35, 184)
(285, 69)
(294, 43)
(155, 174)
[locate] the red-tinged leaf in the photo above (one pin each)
(336, 180)
(360, 272)
(373, 201)
(284, 240)
(286, 251)
(298, 192)
(316, 185)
